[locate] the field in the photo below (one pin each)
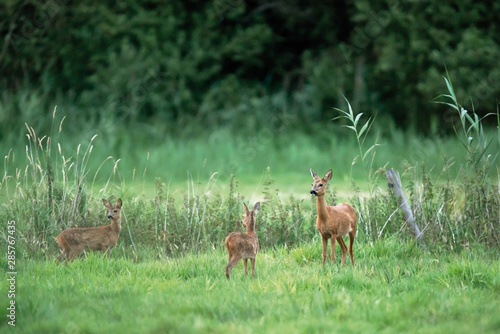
(182, 197)
(187, 111)
(395, 287)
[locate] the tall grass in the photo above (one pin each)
(185, 196)
(452, 213)
(51, 191)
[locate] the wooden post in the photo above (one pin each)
(394, 182)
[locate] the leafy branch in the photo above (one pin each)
(359, 132)
(473, 139)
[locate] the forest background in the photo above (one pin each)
(178, 68)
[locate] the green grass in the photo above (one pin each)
(395, 288)
(134, 157)
(182, 196)
(181, 199)
(128, 162)
(118, 165)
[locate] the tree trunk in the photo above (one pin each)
(394, 182)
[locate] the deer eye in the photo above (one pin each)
(321, 185)
(115, 211)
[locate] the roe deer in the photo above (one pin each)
(74, 241)
(333, 221)
(243, 245)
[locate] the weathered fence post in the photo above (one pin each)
(394, 182)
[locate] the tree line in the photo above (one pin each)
(216, 63)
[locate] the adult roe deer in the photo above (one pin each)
(74, 241)
(333, 221)
(243, 245)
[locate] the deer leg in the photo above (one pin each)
(325, 246)
(75, 251)
(343, 248)
(106, 251)
(71, 256)
(332, 254)
(351, 241)
(228, 267)
(231, 263)
(63, 256)
(252, 263)
(245, 263)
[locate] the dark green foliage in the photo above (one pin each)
(188, 64)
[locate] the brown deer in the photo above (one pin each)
(333, 221)
(73, 241)
(243, 245)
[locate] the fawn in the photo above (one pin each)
(333, 221)
(74, 241)
(243, 245)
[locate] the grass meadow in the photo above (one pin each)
(395, 287)
(183, 196)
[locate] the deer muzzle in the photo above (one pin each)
(313, 192)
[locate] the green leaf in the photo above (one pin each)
(369, 150)
(346, 114)
(351, 127)
(357, 119)
(471, 121)
(363, 129)
(484, 151)
(351, 114)
(449, 104)
(447, 79)
(450, 89)
(440, 96)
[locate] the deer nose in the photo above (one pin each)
(110, 216)
(313, 192)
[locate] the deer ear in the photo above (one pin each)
(246, 208)
(328, 175)
(256, 208)
(106, 203)
(119, 203)
(313, 174)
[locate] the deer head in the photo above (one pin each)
(319, 184)
(249, 216)
(113, 211)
